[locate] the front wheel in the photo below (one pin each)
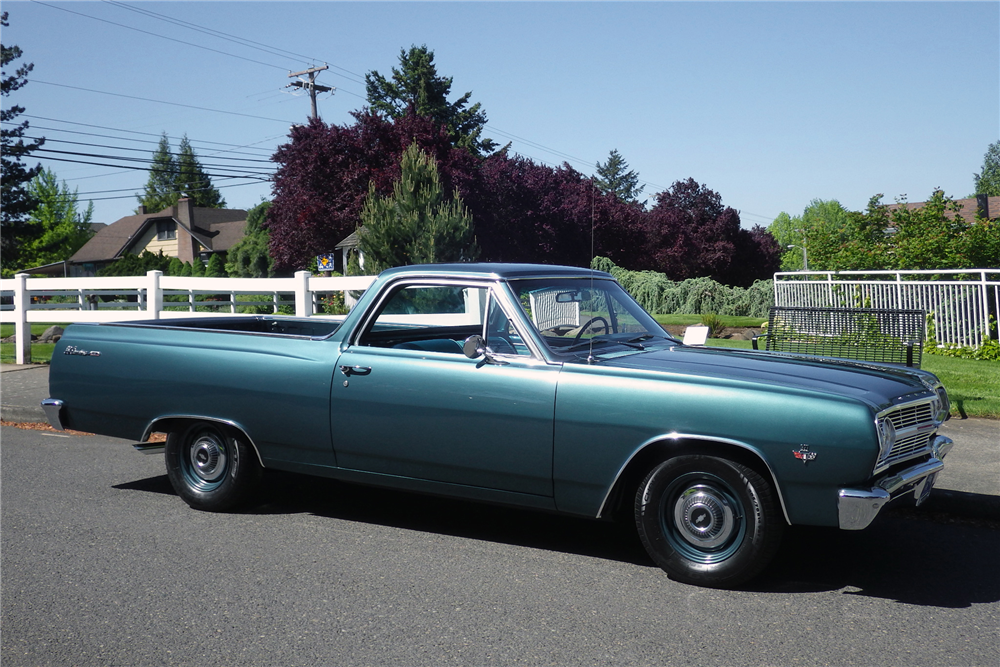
(708, 521)
(211, 467)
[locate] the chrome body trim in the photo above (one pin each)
(150, 447)
(150, 428)
(53, 412)
(688, 436)
(857, 508)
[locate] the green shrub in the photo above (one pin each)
(988, 351)
(714, 323)
(657, 294)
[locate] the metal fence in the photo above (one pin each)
(24, 300)
(962, 305)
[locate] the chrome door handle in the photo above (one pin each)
(355, 370)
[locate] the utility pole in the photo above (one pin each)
(311, 85)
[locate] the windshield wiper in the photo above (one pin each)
(647, 336)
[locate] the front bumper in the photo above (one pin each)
(857, 508)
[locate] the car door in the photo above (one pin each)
(408, 402)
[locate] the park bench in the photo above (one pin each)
(864, 334)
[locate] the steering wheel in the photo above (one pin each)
(607, 327)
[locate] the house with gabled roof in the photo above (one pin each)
(185, 231)
(969, 208)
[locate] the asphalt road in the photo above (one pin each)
(103, 565)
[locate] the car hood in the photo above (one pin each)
(881, 386)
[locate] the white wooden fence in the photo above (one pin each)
(961, 303)
(66, 300)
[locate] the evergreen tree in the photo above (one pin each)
(193, 182)
(415, 225)
(249, 257)
(160, 192)
(136, 265)
(216, 266)
(174, 176)
(614, 177)
(59, 229)
(988, 180)
(174, 267)
(417, 88)
(16, 232)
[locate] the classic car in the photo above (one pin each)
(544, 387)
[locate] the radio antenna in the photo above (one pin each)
(593, 204)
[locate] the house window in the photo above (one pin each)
(165, 230)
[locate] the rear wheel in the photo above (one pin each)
(211, 467)
(708, 521)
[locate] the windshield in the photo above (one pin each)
(587, 316)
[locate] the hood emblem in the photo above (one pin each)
(804, 454)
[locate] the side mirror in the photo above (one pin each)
(474, 347)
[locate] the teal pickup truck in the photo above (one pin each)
(536, 386)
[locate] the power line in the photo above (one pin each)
(148, 134)
(154, 34)
(139, 150)
(276, 51)
(260, 46)
(146, 99)
(136, 195)
(139, 167)
(111, 136)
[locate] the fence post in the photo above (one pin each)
(22, 331)
(154, 295)
(303, 298)
(984, 290)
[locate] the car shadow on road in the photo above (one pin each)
(291, 493)
(907, 555)
(911, 556)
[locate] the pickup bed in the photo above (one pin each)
(537, 386)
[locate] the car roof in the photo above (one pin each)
(498, 271)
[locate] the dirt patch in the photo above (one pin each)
(39, 426)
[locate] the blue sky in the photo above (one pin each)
(771, 105)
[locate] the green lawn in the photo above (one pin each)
(974, 386)
(40, 353)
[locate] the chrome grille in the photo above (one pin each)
(908, 446)
(911, 415)
(914, 430)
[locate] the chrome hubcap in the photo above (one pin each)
(208, 458)
(704, 516)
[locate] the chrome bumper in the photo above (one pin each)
(53, 412)
(857, 508)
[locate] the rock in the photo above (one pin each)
(51, 335)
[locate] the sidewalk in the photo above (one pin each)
(968, 486)
(22, 389)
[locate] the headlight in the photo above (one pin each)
(886, 437)
(944, 407)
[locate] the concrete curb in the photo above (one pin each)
(20, 413)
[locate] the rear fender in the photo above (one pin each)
(166, 424)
